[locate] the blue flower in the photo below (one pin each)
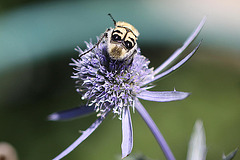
(115, 86)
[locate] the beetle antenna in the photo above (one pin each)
(112, 19)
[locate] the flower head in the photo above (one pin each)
(110, 85)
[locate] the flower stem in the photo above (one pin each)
(155, 131)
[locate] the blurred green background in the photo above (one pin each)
(36, 45)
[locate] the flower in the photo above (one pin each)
(109, 85)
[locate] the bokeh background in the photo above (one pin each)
(37, 39)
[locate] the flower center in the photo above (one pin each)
(109, 84)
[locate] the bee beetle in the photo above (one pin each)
(121, 41)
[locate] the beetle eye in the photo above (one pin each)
(116, 37)
(128, 44)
